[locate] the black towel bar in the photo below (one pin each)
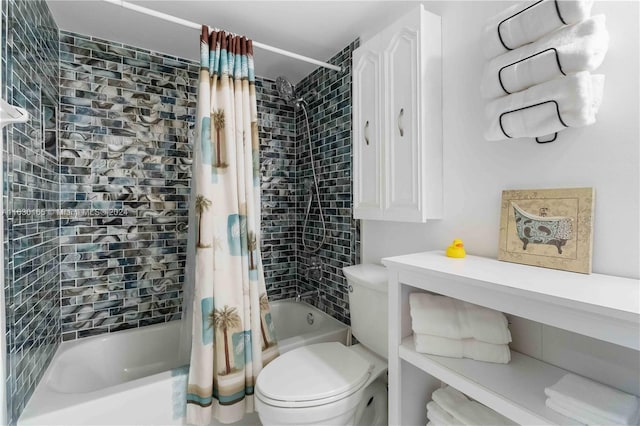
(524, 59)
(533, 106)
(523, 10)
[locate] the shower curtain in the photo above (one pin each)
(233, 336)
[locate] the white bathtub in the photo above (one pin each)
(293, 328)
(135, 377)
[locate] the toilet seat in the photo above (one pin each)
(312, 375)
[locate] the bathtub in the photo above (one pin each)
(298, 324)
(137, 376)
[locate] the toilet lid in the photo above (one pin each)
(313, 372)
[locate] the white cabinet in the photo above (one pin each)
(397, 122)
(367, 152)
(602, 307)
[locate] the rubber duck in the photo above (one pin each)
(456, 249)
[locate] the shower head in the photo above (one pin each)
(285, 89)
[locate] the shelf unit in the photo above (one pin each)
(603, 307)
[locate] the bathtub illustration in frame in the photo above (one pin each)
(551, 228)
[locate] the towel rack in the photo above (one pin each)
(555, 135)
(529, 57)
(524, 10)
(11, 114)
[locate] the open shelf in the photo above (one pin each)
(600, 306)
(603, 307)
(515, 390)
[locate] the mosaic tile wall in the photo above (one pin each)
(29, 52)
(329, 96)
(125, 163)
(125, 153)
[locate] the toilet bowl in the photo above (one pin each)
(323, 384)
(373, 409)
(331, 384)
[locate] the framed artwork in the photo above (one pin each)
(551, 228)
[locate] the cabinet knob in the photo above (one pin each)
(366, 132)
(400, 126)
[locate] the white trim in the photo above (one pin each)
(196, 26)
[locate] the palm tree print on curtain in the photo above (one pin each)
(202, 204)
(218, 124)
(230, 295)
(225, 319)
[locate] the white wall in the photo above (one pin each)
(605, 156)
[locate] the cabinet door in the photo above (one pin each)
(367, 148)
(404, 198)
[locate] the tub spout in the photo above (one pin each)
(307, 294)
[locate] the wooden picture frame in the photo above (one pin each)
(551, 228)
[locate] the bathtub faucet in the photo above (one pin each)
(307, 294)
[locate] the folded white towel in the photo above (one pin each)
(438, 416)
(592, 400)
(462, 348)
(577, 96)
(567, 413)
(465, 411)
(441, 346)
(583, 416)
(529, 23)
(484, 324)
(446, 317)
(579, 47)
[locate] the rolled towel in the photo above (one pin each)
(579, 47)
(592, 400)
(529, 22)
(577, 96)
(446, 317)
(466, 411)
(438, 416)
(462, 348)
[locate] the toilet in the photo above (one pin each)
(330, 383)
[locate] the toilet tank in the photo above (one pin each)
(368, 306)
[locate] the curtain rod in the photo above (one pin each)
(195, 26)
